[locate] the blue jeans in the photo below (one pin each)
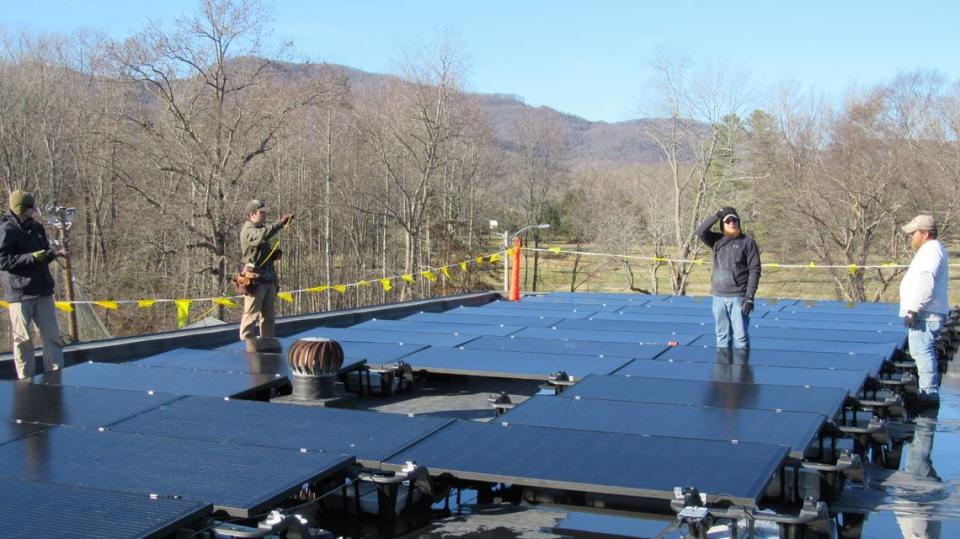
(922, 341)
(728, 317)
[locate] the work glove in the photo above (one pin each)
(44, 256)
(747, 306)
(910, 320)
(285, 219)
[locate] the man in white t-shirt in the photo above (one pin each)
(924, 304)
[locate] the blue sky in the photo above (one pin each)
(586, 58)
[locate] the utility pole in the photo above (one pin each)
(62, 218)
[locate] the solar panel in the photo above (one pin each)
(230, 361)
(535, 309)
(452, 317)
(242, 480)
(850, 380)
(587, 299)
(509, 364)
(707, 320)
(11, 430)
(598, 462)
(437, 327)
(32, 509)
(371, 436)
(175, 381)
(756, 330)
(663, 337)
(859, 317)
(378, 336)
(353, 351)
(838, 347)
(575, 348)
(794, 430)
(871, 363)
(824, 400)
(79, 406)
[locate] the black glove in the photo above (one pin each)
(910, 320)
(747, 306)
(44, 256)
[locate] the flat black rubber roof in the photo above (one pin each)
(871, 363)
(598, 462)
(509, 364)
(71, 511)
(850, 380)
(239, 479)
(793, 430)
(824, 400)
(371, 436)
(176, 381)
(80, 406)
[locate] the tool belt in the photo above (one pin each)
(245, 282)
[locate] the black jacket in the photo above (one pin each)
(23, 277)
(736, 262)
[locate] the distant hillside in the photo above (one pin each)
(621, 143)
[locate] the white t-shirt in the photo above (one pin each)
(924, 287)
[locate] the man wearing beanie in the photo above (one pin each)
(734, 278)
(924, 303)
(259, 254)
(25, 255)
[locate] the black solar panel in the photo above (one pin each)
(239, 479)
(80, 406)
(32, 509)
(452, 317)
(850, 380)
(176, 381)
(599, 462)
(824, 400)
(871, 363)
(662, 337)
(509, 364)
(12, 430)
(229, 361)
(568, 347)
(794, 430)
(371, 436)
(437, 327)
(761, 343)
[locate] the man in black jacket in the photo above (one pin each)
(734, 278)
(25, 255)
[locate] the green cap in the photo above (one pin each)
(20, 201)
(255, 205)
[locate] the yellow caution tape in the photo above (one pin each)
(285, 296)
(183, 311)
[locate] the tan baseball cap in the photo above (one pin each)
(920, 222)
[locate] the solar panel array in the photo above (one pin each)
(652, 396)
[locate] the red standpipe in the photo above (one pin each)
(515, 277)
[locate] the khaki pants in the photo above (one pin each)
(259, 312)
(43, 314)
